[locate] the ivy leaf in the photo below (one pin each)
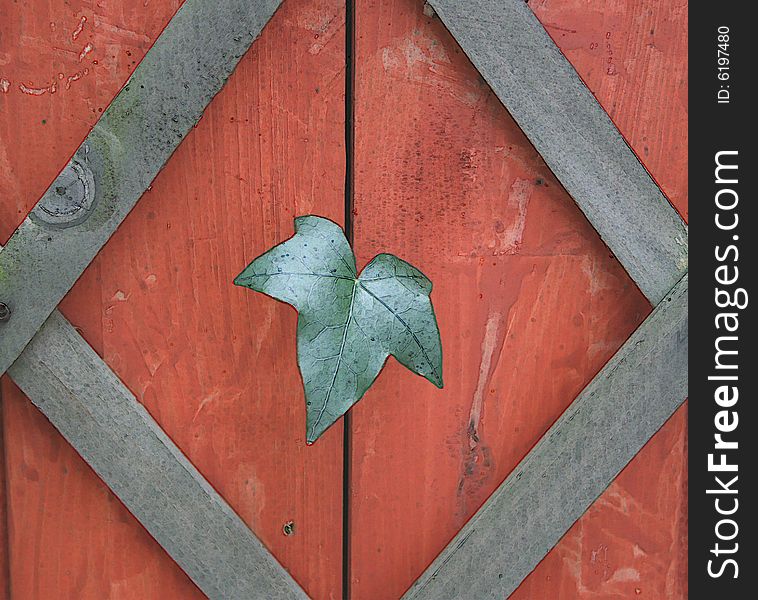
(348, 324)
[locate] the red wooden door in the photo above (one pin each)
(530, 302)
(158, 305)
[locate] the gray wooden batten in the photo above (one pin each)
(118, 438)
(578, 457)
(61, 374)
(136, 135)
(540, 88)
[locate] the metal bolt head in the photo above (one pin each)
(5, 312)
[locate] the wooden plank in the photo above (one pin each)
(632, 541)
(69, 535)
(118, 438)
(157, 303)
(63, 63)
(99, 417)
(216, 364)
(632, 55)
(603, 429)
(529, 302)
(577, 139)
(5, 582)
(121, 156)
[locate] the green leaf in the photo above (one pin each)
(348, 324)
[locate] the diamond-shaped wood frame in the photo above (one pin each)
(602, 430)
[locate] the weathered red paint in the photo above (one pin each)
(632, 542)
(68, 536)
(158, 304)
(4, 558)
(215, 364)
(529, 302)
(61, 63)
(633, 56)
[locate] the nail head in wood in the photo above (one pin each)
(288, 528)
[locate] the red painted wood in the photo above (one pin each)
(206, 358)
(529, 302)
(68, 536)
(632, 542)
(61, 63)
(633, 56)
(4, 558)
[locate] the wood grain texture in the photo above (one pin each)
(632, 542)
(204, 357)
(633, 57)
(587, 447)
(68, 535)
(530, 304)
(429, 75)
(45, 117)
(209, 360)
(5, 582)
(101, 419)
(575, 136)
(163, 99)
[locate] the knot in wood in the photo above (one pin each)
(69, 201)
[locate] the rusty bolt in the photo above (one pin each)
(5, 312)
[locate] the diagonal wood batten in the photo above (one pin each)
(59, 371)
(579, 142)
(164, 98)
(119, 439)
(573, 463)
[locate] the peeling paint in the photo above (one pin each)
(79, 28)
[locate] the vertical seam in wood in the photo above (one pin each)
(349, 117)
(349, 203)
(5, 538)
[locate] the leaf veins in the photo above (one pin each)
(348, 324)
